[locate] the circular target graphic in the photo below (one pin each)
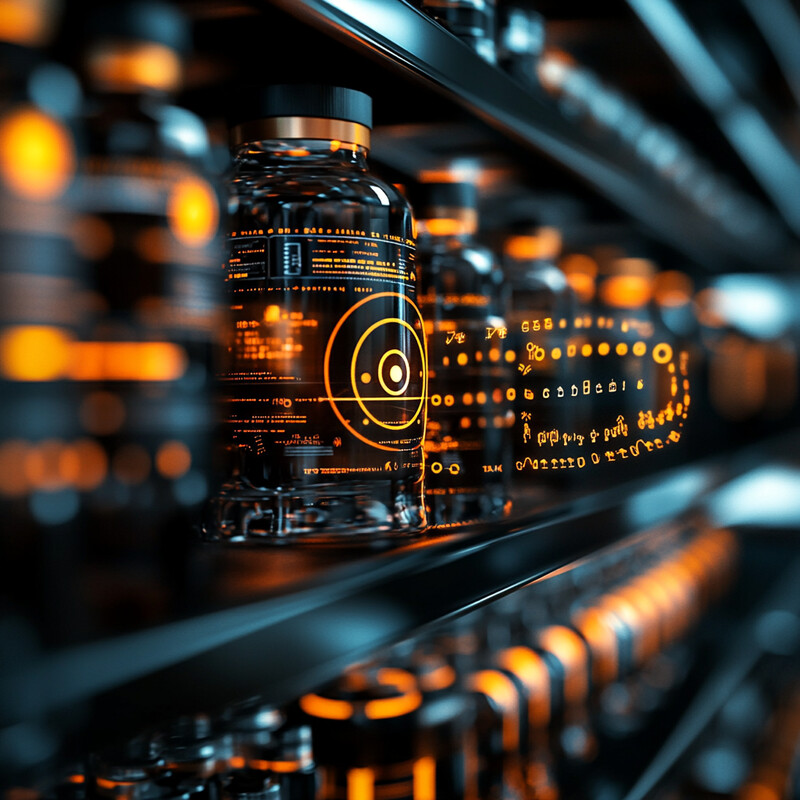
(375, 371)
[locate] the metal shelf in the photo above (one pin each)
(277, 621)
(405, 39)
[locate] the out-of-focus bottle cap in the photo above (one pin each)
(140, 21)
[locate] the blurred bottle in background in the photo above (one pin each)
(467, 443)
(45, 460)
(472, 21)
(149, 233)
(521, 34)
(541, 312)
(748, 343)
(378, 733)
(640, 384)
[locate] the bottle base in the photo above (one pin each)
(460, 509)
(334, 514)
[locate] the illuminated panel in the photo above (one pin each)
(622, 386)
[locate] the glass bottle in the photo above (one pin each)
(541, 317)
(467, 444)
(324, 379)
(472, 21)
(149, 231)
(641, 379)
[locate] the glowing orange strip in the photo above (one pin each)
(104, 783)
(326, 707)
(532, 671)
(501, 689)
(361, 784)
(570, 650)
(277, 766)
(127, 361)
(424, 778)
(402, 679)
(389, 707)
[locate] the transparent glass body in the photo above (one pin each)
(150, 236)
(323, 380)
(541, 315)
(641, 389)
(470, 375)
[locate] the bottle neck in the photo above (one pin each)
(301, 153)
(453, 228)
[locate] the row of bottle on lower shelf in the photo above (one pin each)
(512, 700)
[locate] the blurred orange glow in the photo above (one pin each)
(571, 652)
(94, 464)
(127, 361)
(545, 243)
(272, 313)
(13, 482)
(529, 667)
(597, 628)
(41, 465)
(37, 155)
(673, 288)
(503, 693)
(193, 212)
(448, 226)
(389, 707)
(34, 353)
(626, 291)
(439, 678)
(27, 22)
(581, 273)
(424, 773)
(130, 67)
(325, 707)
(173, 459)
(360, 784)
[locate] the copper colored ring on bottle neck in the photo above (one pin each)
(301, 128)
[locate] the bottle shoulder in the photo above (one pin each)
(330, 192)
(453, 253)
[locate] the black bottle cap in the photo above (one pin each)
(303, 100)
(140, 21)
(437, 194)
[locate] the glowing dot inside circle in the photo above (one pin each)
(365, 377)
(396, 373)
